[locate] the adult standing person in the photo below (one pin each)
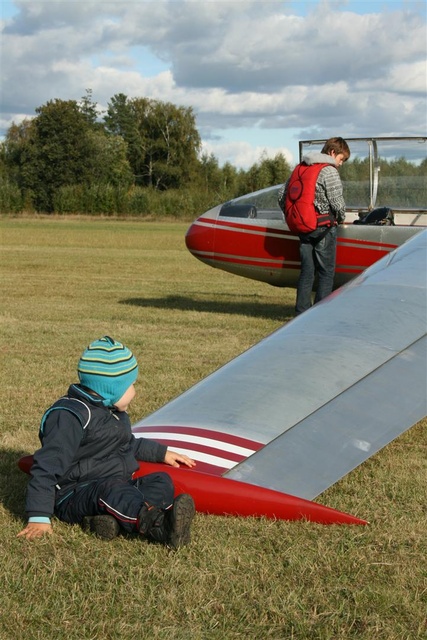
(317, 175)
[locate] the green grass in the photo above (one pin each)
(67, 282)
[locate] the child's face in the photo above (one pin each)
(339, 158)
(126, 399)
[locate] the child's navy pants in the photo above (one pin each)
(120, 498)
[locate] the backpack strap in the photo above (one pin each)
(314, 241)
(325, 220)
(77, 407)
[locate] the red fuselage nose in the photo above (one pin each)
(200, 237)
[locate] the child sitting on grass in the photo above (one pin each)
(83, 471)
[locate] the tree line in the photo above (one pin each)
(141, 157)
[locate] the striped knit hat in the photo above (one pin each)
(108, 368)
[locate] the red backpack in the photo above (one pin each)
(300, 213)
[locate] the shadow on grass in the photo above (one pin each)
(246, 308)
(13, 482)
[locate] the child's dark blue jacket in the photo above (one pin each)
(83, 440)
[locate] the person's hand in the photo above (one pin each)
(175, 459)
(35, 530)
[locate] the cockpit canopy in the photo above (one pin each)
(381, 172)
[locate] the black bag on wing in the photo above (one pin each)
(300, 213)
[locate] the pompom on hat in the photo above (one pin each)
(108, 368)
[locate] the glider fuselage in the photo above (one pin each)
(248, 236)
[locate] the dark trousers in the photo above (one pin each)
(120, 498)
(318, 255)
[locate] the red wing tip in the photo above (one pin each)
(25, 462)
(359, 521)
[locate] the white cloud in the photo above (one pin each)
(243, 154)
(248, 65)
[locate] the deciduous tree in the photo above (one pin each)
(163, 142)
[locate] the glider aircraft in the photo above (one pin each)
(386, 205)
(276, 426)
(298, 411)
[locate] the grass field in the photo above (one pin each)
(66, 282)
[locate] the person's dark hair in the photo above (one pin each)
(338, 145)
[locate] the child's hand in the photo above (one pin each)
(35, 530)
(175, 459)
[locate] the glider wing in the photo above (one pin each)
(313, 400)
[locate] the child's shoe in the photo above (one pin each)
(151, 523)
(103, 526)
(178, 521)
(171, 527)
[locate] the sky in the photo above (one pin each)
(259, 75)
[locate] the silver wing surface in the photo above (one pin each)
(316, 398)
